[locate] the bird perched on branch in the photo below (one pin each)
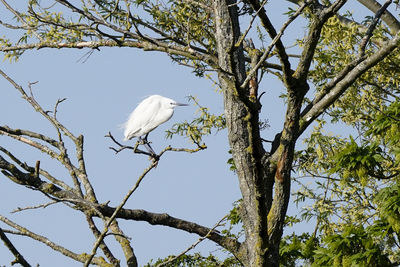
(148, 115)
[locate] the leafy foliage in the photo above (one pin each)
(296, 248)
(353, 247)
(388, 199)
(235, 227)
(203, 125)
(354, 199)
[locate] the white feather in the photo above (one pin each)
(148, 115)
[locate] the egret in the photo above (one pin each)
(148, 115)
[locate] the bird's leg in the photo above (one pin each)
(145, 138)
(146, 143)
(137, 150)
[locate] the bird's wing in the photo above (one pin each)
(141, 118)
(163, 116)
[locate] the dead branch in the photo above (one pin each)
(123, 147)
(155, 157)
(241, 39)
(20, 132)
(277, 42)
(78, 257)
(107, 252)
(194, 244)
(164, 219)
(18, 256)
(45, 205)
(113, 216)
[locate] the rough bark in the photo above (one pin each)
(264, 178)
(243, 132)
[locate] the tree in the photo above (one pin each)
(340, 61)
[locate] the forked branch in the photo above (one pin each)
(275, 40)
(25, 232)
(114, 215)
(155, 157)
(339, 84)
(18, 256)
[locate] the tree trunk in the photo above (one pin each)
(262, 215)
(241, 114)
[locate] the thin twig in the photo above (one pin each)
(123, 147)
(36, 207)
(18, 15)
(273, 42)
(37, 107)
(241, 39)
(60, 100)
(110, 220)
(194, 244)
(32, 143)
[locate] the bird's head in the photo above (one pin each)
(169, 103)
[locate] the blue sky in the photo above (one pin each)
(100, 95)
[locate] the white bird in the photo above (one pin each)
(148, 115)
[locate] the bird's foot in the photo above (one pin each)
(144, 141)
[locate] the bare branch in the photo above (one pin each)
(123, 147)
(39, 136)
(107, 252)
(63, 156)
(272, 33)
(164, 219)
(274, 41)
(241, 39)
(37, 107)
(372, 26)
(18, 256)
(153, 156)
(387, 17)
(193, 245)
(313, 37)
(113, 216)
(30, 169)
(59, 101)
(33, 182)
(78, 257)
(348, 78)
(45, 205)
(30, 142)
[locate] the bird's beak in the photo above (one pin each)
(180, 104)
